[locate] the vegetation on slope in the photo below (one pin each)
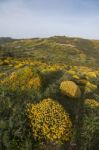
(56, 49)
(49, 94)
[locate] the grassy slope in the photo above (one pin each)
(58, 49)
(14, 127)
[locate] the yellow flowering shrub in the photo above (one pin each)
(75, 76)
(49, 121)
(50, 69)
(71, 72)
(70, 89)
(83, 81)
(35, 83)
(90, 87)
(23, 79)
(91, 103)
(19, 65)
(91, 74)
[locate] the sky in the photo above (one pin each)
(45, 18)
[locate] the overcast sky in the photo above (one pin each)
(43, 18)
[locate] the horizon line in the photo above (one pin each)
(42, 37)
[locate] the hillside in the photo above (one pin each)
(5, 39)
(58, 49)
(49, 94)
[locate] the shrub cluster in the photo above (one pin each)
(91, 103)
(23, 79)
(70, 89)
(49, 121)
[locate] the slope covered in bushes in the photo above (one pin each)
(48, 100)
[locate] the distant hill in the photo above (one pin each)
(5, 39)
(57, 49)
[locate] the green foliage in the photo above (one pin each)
(34, 69)
(90, 128)
(57, 49)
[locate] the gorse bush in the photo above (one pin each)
(49, 121)
(70, 89)
(91, 103)
(89, 88)
(23, 79)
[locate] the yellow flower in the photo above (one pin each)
(23, 79)
(70, 89)
(75, 77)
(49, 121)
(90, 87)
(19, 65)
(91, 74)
(71, 72)
(91, 103)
